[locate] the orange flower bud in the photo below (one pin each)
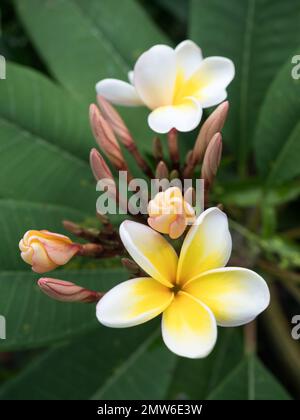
(169, 213)
(65, 291)
(45, 250)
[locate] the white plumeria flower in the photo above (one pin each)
(194, 292)
(176, 84)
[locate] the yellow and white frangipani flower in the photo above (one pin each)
(170, 213)
(176, 84)
(194, 292)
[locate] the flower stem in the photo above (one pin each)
(173, 147)
(250, 335)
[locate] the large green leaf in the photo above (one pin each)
(36, 104)
(195, 379)
(44, 143)
(134, 364)
(249, 381)
(109, 364)
(251, 192)
(33, 169)
(277, 134)
(32, 318)
(251, 42)
(90, 42)
(146, 374)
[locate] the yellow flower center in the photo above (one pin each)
(185, 88)
(177, 288)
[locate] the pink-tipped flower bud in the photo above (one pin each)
(115, 120)
(106, 139)
(99, 167)
(212, 159)
(162, 171)
(65, 291)
(169, 213)
(212, 125)
(45, 250)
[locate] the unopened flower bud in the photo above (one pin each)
(169, 213)
(91, 250)
(173, 147)
(212, 125)
(162, 171)
(106, 139)
(45, 250)
(157, 149)
(174, 174)
(120, 129)
(65, 291)
(99, 167)
(212, 159)
(131, 266)
(116, 122)
(211, 164)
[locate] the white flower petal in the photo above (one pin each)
(155, 75)
(189, 327)
(207, 245)
(212, 97)
(189, 57)
(151, 251)
(213, 76)
(183, 117)
(118, 92)
(235, 295)
(131, 77)
(133, 302)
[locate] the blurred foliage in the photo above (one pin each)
(57, 50)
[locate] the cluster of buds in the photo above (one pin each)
(110, 131)
(169, 212)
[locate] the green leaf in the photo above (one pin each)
(277, 134)
(44, 143)
(33, 169)
(195, 379)
(91, 42)
(35, 320)
(250, 193)
(286, 166)
(32, 318)
(146, 374)
(257, 52)
(250, 381)
(109, 364)
(37, 105)
(119, 34)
